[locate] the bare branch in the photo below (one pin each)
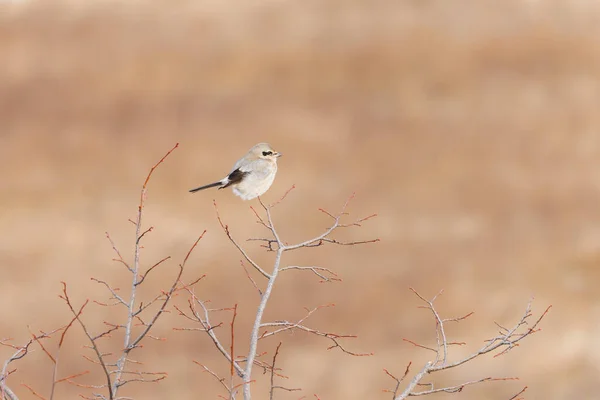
(113, 292)
(459, 388)
(119, 256)
(204, 320)
(398, 381)
(506, 340)
(152, 171)
(93, 344)
(231, 351)
(334, 337)
(250, 278)
(221, 380)
(278, 246)
(129, 343)
(141, 280)
(21, 351)
(290, 325)
(240, 249)
(324, 237)
(516, 396)
(272, 205)
(318, 271)
(257, 323)
(273, 373)
(272, 277)
(33, 392)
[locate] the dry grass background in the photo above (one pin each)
(471, 128)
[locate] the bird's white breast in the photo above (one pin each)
(258, 180)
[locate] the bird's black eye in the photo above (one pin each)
(267, 153)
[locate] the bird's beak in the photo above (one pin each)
(278, 155)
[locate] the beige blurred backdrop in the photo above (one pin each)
(469, 127)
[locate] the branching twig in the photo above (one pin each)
(241, 250)
(99, 355)
(274, 373)
(129, 342)
(139, 322)
(278, 246)
(204, 320)
(272, 277)
(221, 380)
(398, 381)
(283, 326)
(22, 351)
(318, 271)
(504, 342)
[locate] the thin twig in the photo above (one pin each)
(318, 271)
(274, 373)
(398, 381)
(99, 355)
(240, 249)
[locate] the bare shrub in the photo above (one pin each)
(119, 368)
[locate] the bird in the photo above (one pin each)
(252, 175)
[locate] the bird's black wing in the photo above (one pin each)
(234, 177)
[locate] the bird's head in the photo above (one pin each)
(264, 151)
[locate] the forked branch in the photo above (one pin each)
(506, 340)
(141, 317)
(279, 246)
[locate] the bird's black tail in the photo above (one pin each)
(219, 183)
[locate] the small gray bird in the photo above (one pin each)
(252, 175)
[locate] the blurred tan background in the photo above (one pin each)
(469, 127)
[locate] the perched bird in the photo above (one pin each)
(252, 175)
